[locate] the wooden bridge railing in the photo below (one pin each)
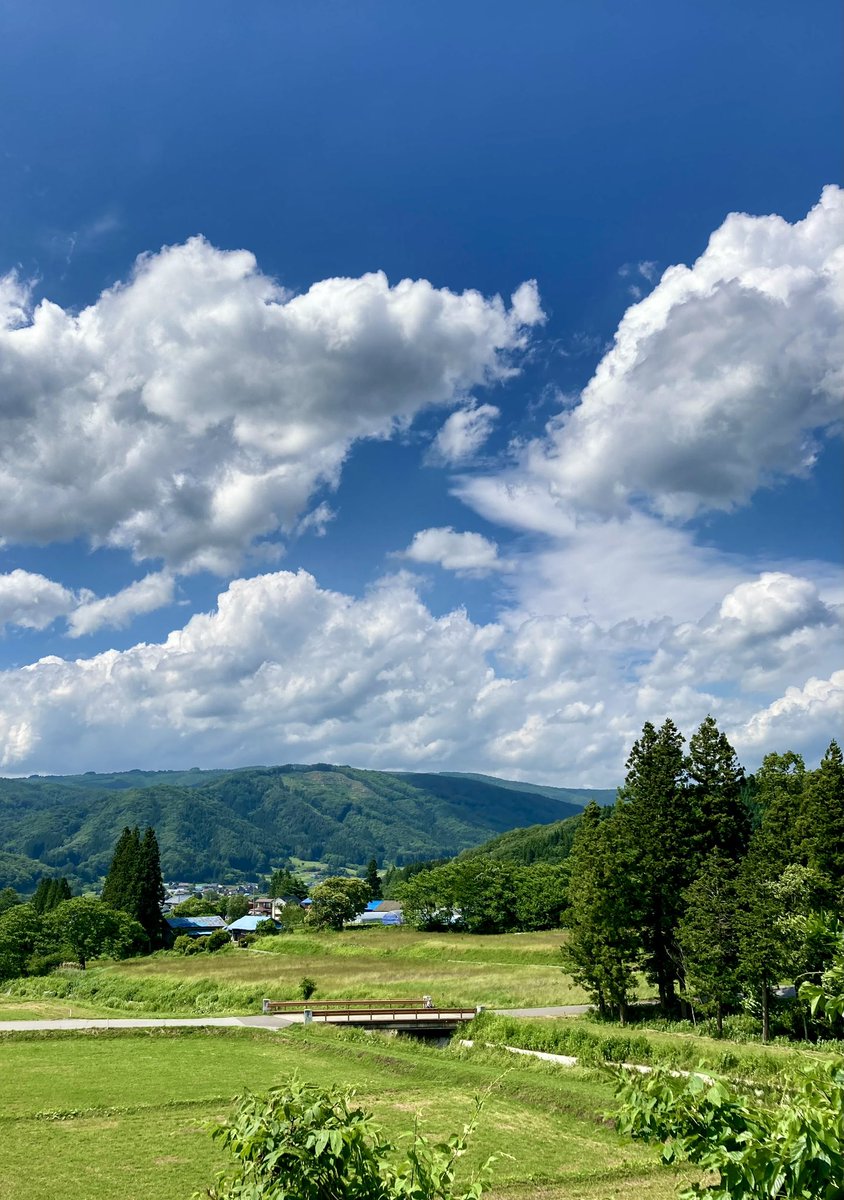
(282, 1006)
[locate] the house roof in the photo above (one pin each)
(196, 924)
(249, 923)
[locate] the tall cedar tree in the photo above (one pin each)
(150, 889)
(763, 947)
(50, 893)
(134, 884)
(603, 944)
(716, 781)
(708, 937)
(373, 880)
(657, 814)
(778, 786)
(120, 887)
(821, 824)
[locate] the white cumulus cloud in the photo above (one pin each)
(283, 670)
(463, 433)
(465, 553)
(117, 611)
(195, 408)
(32, 601)
(725, 377)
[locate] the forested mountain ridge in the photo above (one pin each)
(242, 823)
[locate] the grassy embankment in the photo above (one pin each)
(126, 1116)
(510, 970)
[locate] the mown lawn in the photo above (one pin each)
(126, 1116)
(509, 970)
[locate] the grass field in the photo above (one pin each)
(509, 970)
(126, 1116)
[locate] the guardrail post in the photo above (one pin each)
(308, 1016)
(265, 1006)
(479, 1008)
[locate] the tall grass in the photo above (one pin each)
(596, 1045)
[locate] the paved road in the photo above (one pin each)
(259, 1022)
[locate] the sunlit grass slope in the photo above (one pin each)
(126, 1117)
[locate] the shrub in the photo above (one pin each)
(307, 987)
(219, 939)
(266, 928)
(182, 944)
(791, 1145)
(301, 1140)
(43, 964)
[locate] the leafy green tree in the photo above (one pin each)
(20, 936)
(85, 926)
(8, 899)
(603, 941)
(716, 782)
(127, 939)
(821, 823)
(198, 906)
(658, 816)
(373, 880)
(753, 1146)
(236, 907)
(304, 1141)
(427, 899)
(283, 882)
(336, 901)
(708, 937)
(485, 895)
(291, 916)
(541, 895)
(266, 928)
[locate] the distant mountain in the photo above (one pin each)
(232, 825)
(578, 797)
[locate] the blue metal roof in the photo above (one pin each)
(249, 923)
(205, 924)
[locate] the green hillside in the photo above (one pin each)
(535, 844)
(230, 825)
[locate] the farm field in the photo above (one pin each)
(127, 1116)
(503, 971)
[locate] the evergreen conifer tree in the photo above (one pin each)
(762, 943)
(373, 880)
(603, 943)
(708, 937)
(658, 818)
(150, 889)
(41, 894)
(120, 890)
(778, 786)
(820, 827)
(716, 781)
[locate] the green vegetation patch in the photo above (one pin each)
(126, 1116)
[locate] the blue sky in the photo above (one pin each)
(261, 503)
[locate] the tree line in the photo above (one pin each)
(715, 885)
(55, 926)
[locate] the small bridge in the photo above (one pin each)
(404, 1016)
